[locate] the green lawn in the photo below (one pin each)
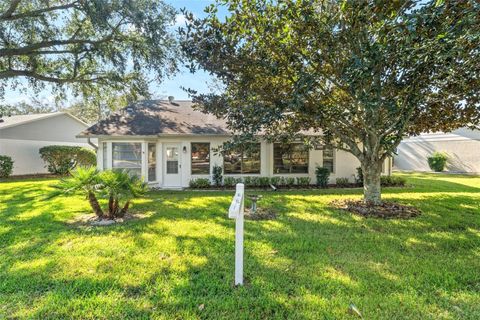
(310, 263)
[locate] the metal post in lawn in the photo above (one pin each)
(236, 212)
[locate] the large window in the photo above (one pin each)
(200, 158)
(127, 156)
(152, 162)
(242, 161)
(292, 158)
(329, 158)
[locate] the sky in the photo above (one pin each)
(169, 87)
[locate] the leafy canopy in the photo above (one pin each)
(85, 45)
(365, 73)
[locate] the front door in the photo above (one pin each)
(172, 167)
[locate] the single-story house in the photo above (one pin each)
(462, 147)
(169, 143)
(22, 136)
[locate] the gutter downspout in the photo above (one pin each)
(92, 144)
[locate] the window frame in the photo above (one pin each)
(290, 159)
(148, 144)
(333, 158)
(242, 152)
(209, 159)
(142, 152)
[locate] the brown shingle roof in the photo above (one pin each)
(158, 117)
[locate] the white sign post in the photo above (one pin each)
(236, 212)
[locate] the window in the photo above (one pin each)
(127, 156)
(243, 161)
(200, 158)
(152, 162)
(104, 155)
(291, 158)
(172, 160)
(328, 158)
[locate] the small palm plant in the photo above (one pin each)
(118, 186)
(83, 180)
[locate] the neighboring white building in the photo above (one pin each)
(462, 147)
(170, 143)
(22, 136)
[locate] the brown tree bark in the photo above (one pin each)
(372, 172)
(124, 209)
(92, 199)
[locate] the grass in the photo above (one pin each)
(312, 262)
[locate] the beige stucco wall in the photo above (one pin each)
(345, 163)
(22, 142)
(462, 147)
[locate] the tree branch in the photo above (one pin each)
(31, 74)
(11, 9)
(7, 16)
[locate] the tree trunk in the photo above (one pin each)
(372, 193)
(124, 209)
(115, 208)
(110, 207)
(95, 205)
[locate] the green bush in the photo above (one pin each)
(342, 182)
(6, 166)
(322, 174)
(217, 175)
(264, 181)
(303, 181)
(289, 181)
(437, 161)
(275, 181)
(62, 159)
(231, 181)
(359, 176)
(199, 183)
(393, 181)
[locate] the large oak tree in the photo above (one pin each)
(361, 74)
(85, 45)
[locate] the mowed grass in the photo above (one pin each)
(312, 262)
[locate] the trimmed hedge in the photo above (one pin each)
(62, 159)
(392, 181)
(200, 183)
(323, 175)
(342, 182)
(6, 166)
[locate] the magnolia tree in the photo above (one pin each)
(87, 46)
(360, 74)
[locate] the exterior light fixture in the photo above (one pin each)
(184, 149)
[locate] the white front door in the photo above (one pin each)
(172, 174)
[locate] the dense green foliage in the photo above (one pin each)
(393, 181)
(437, 161)
(217, 175)
(62, 159)
(363, 73)
(119, 186)
(322, 175)
(87, 46)
(6, 166)
(312, 262)
(116, 186)
(199, 183)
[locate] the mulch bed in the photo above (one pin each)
(387, 210)
(260, 214)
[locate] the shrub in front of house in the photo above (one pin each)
(6, 166)
(303, 181)
(322, 175)
(263, 181)
(275, 181)
(217, 176)
(200, 183)
(289, 181)
(437, 161)
(342, 182)
(393, 181)
(231, 181)
(359, 177)
(62, 159)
